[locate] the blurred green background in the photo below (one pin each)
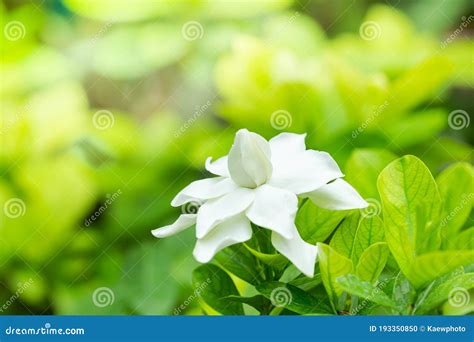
(109, 108)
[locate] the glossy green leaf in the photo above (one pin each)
(293, 299)
(411, 205)
(372, 262)
(463, 240)
(315, 224)
(218, 285)
(332, 265)
(259, 302)
(430, 266)
(403, 294)
(369, 231)
(439, 292)
(239, 261)
(454, 309)
(344, 237)
(352, 284)
(277, 261)
(456, 186)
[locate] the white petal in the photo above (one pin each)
(338, 195)
(286, 145)
(249, 159)
(204, 189)
(184, 221)
(219, 167)
(229, 232)
(274, 209)
(304, 172)
(299, 252)
(217, 210)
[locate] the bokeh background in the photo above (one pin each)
(109, 108)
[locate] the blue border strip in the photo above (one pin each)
(238, 328)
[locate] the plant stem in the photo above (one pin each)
(276, 311)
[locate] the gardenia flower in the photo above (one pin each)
(259, 182)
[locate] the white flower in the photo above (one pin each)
(260, 181)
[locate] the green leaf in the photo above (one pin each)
(277, 261)
(370, 231)
(363, 168)
(306, 283)
(147, 289)
(332, 265)
(218, 285)
(403, 294)
(352, 284)
(441, 291)
(239, 261)
(344, 237)
(258, 302)
(456, 185)
(315, 224)
(293, 299)
(411, 205)
(454, 309)
(372, 262)
(464, 240)
(430, 266)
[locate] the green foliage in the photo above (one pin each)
(219, 285)
(440, 291)
(411, 205)
(292, 298)
(333, 265)
(364, 289)
(176, 99)
(316, 224)
(372, 262)
(456, 185)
